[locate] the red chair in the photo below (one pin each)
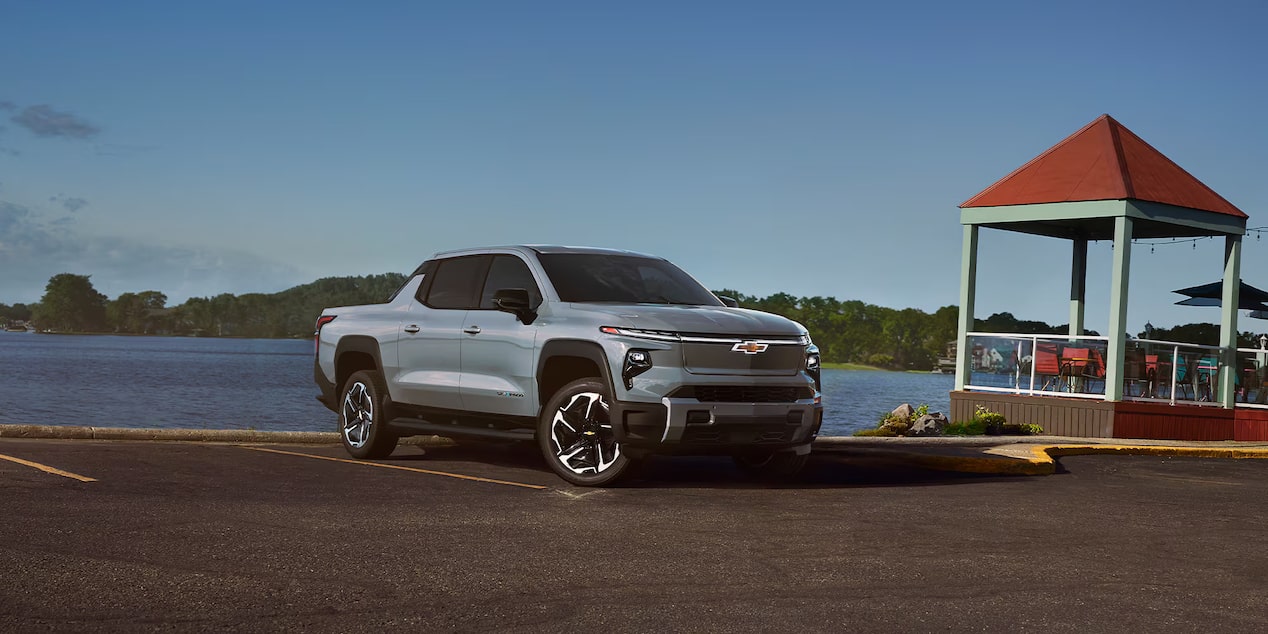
(1074, 363)
(1151, 374)
(1047, 364)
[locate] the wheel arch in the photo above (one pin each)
(356, 352)
(563, 361)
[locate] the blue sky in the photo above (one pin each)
(817, 148)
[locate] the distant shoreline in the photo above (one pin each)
(854, 366)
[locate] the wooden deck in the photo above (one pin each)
(1100, 419)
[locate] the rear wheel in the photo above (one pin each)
(363, 416)
(771, 465)
(575, 436)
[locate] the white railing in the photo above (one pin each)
(1172, 372)
(1153, 370)
(1011, 363)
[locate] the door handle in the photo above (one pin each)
(411, 329)
(472, 330)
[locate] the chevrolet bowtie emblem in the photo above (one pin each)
(749, 347)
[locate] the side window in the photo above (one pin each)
(455, 282)
(508, 271)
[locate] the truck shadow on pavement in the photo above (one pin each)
(822, 471)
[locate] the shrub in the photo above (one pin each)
(971, 428)
(984, 421)
(988, 418)
(880, 360)
(1031, 429)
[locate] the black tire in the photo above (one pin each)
(576, 437)
(363, 416)
(771, 465)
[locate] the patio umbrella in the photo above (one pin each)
(1215, 290)
(1248, 298)
(1243, 304)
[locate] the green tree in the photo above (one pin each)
(137, 313)
(71, 304)
(14, 313)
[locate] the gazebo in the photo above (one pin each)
(1105, 183)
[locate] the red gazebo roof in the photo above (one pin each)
(1103, 161)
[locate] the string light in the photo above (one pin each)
(1258, 231)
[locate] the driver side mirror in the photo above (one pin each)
(515, 301)
(730, 302)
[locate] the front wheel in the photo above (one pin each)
(771, 465)
(363, 416)
(575, 436)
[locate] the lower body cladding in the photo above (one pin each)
(687, 425)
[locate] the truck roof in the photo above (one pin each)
(543, 248)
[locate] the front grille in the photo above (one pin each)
(743, 393)
(722, 358)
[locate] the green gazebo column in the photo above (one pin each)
(968, 290)
(1078, 286)
(1229, 301)
(1118, 309)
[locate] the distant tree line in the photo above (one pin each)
(848, 331)
(71, 304)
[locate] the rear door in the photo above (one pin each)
(430, 346)
(497, 349)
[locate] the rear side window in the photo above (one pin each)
(456, 282)
(508, 271)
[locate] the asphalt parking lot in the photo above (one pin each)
(197, 536)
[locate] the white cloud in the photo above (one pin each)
(33, 249)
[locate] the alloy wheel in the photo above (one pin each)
(358, 415)
(582, 437)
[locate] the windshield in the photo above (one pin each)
(626, 279)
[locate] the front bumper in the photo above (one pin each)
(687, 425)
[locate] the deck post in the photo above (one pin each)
(1118, 309)
(1228, 319)
(1078, 286)
(968, 291)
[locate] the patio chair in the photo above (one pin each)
(1187, 376)
(1047, 365)
(1094, 369)
(1074, 363)
(1206, 372)
(1135, 374)
(1151, 375)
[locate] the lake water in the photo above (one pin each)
(267, 384)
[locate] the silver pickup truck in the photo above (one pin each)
(601, 357)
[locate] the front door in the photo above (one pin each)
(498, 349)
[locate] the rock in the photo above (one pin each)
(904, 411)
(929, 425)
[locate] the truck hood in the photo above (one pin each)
(713, 320)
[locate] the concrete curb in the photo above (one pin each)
(1028, 459)
(194, 435)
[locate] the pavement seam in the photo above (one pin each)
(47, 469)
(385, 465)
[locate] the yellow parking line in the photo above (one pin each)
(47, 469)
(393, 466)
